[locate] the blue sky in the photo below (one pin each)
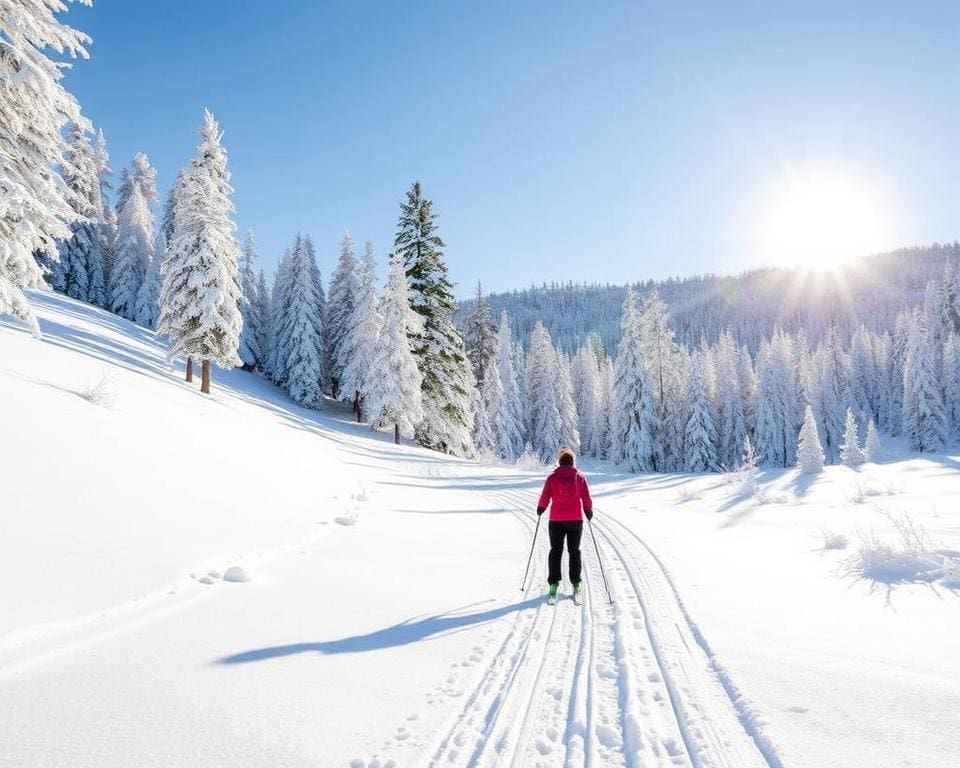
(559, 140)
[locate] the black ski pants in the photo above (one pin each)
(571, 531)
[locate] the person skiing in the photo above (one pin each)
(568, 496)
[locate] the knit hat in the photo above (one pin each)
(566, 458)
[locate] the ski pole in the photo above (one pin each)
(599, 559)
(523, 587)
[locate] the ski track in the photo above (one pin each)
(629, 684)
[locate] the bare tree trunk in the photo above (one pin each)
(189, 370)
(396, 434)
(357, 407)
(205, 377)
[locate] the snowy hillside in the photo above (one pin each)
(236, 581)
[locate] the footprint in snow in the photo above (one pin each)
(798, 710)
(236, 573)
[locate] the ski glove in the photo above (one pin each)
(588, 513)
(541, 510)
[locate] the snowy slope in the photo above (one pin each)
(382, 619)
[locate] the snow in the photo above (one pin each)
(737, 635)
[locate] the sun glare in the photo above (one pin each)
(821, 222)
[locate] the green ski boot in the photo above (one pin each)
(576, 593)
(552, 595)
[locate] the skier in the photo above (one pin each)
(566, 493)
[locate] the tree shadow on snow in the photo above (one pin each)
(410, 631)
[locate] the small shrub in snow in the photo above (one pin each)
(744, 480)
(688, 494)
(528, 460)
(833, 540)
(101, 393)
(905, 556)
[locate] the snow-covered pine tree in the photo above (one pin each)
(746, 474)
(250, 350)
(584, 379)
(132, 255)
(951, 381)
(200, 296)
(262, 313)
(168, 218)
(505, 404)
(359, 346)
(888, 407)
(776, 402)
(341, 302)
(872, 451)
(633, 409)
(924, 415)
(863, 377)
(300, 334)
(141, 174)
(851, 453)
(731, 416)
(479, 335)
(79, 271)
(700, 431)
(950, 299)
(834, 393)
(483, 440)
(275, 360)
(106, 219)
(601, 436)
(569, 418)
(35, 204)
(659, 351)
(396, 395)
(546, 420)
(810, 456)
(438, 347)
(147, 309)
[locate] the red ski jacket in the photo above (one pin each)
(568, 491)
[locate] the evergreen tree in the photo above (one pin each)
(250, 351)
(200, 295)
(341, 302)
(924, 415)
(147, 308)
(35, 205)
(359, 346)
(584, 379)
(106, 221)
(809, 451)
(659, 351)
(776, 402)
(699, 440)
(872, 451)
(79, 271)
(633, 410)
(951, 382)
(300, 333)
(262, 314)
(863, 377)
(546, 420)
(483, 440)
(569, 418)
(851, 453)
(395, 395)
(279, 302)
(438, 347)
(140, 174)
(834, 394)
(479, 335)
(600, 447)
(168, 222)
(503, 396)
(731, 412)
(132, 255)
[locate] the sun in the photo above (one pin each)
(821, 221)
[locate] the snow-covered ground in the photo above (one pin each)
(373, 610)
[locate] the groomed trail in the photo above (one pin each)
(629, 683)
